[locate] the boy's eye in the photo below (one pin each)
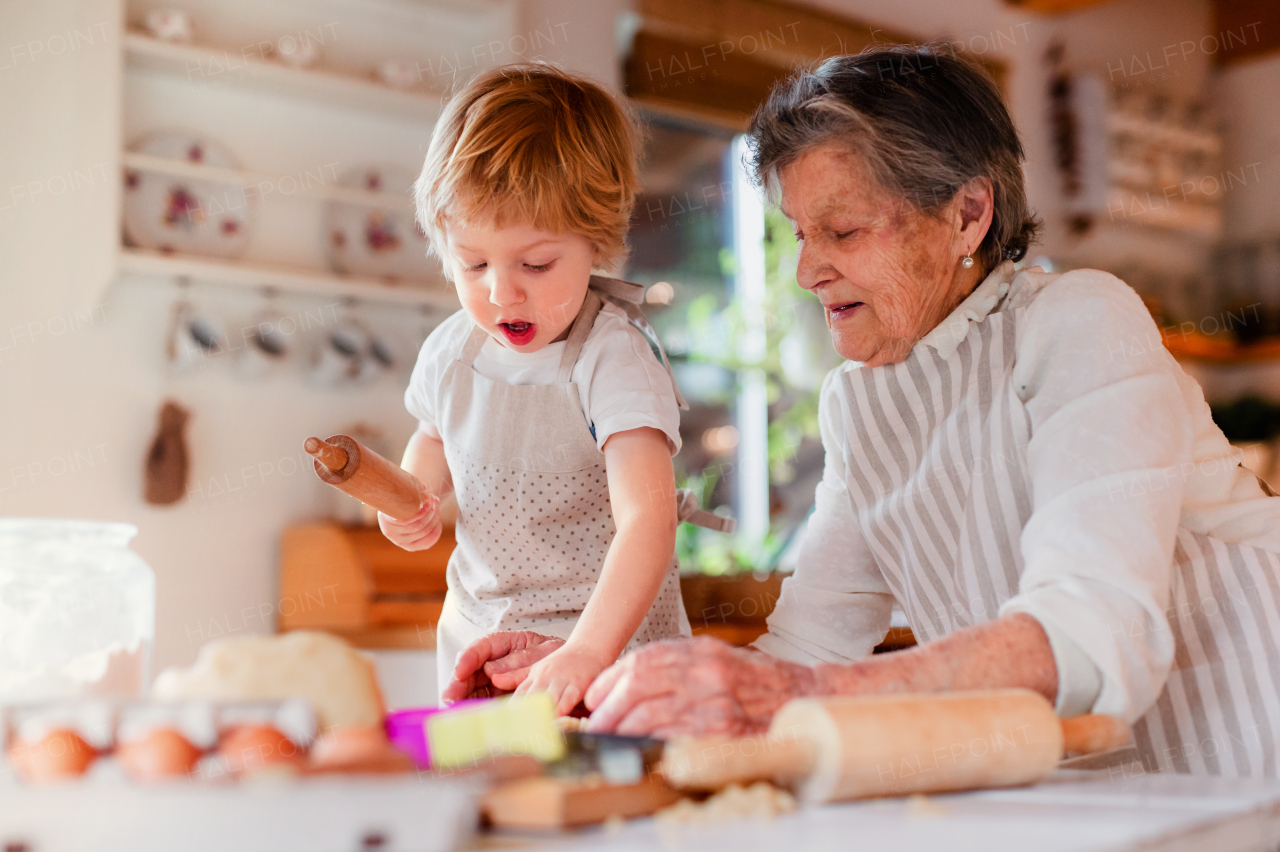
(541, 267)
(477, 267)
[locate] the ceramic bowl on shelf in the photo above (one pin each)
(378, 240)
(400, 73)
(168, 24)
(298, 51)
(175, 214)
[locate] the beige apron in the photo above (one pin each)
(534, 521)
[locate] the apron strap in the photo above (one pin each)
(628, 296)
(687, 510)
(475, 342)
(625, 295)
(573, 345)
(578, 333)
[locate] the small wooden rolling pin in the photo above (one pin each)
(350, 466)
(833, 749)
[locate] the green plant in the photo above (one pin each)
(793, 411)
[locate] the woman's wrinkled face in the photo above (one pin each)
(521, 285)
(886, 273)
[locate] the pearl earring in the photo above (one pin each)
(967, 263)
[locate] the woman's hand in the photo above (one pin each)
(693, 687)
(496, 664)
(419, 532)
(565, 675)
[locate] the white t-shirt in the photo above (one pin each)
(621, 383)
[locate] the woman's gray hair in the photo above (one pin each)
(926, 120)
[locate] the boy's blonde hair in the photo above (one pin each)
(531, 144)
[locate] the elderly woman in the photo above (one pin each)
(1011, 456)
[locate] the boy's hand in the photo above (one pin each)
(419, 532)
(565, 675)
(496, 664)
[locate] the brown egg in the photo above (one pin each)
(162, 753)
(357, 748)
(59, 755)
(249, 748)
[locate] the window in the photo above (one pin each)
(748, 347)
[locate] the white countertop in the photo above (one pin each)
(1074, 810)
(1080, 811)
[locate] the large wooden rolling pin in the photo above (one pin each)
(350, 466)
(832, 749)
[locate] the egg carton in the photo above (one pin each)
(268, 812)
(105, 725)
(309, 814)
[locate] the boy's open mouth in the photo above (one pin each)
(518, 333)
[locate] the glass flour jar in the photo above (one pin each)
(77, 611)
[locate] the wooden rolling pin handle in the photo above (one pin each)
(710, 763)
(334, 458)
(1094, 733)
(367, 476)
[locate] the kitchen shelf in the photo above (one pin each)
(242, 177)
(293, 279)
(1172, 135)
(200, 64)
(1189, 217)
(1200, 347)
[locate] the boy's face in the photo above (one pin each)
(521, 285)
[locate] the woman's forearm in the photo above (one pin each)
(1012, 651)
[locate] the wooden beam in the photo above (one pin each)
(1242, 29)
(677, 72)
(776, 33)
(1054, 7)
(720, 58)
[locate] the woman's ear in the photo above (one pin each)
(975, 205)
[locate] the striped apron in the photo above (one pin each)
(939, 482)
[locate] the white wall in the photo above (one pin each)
(589, 27)
(1249, 96)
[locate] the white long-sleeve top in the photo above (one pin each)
(1113, 450)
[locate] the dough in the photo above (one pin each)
(761, 800)
(340, 683)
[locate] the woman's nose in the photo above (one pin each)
(811, 268)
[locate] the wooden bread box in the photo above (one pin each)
(352, 581)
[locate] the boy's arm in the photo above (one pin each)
(424, 458)
(642, 495)
(642, 492)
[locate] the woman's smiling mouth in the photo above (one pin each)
(835, 312)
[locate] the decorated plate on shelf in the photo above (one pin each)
(380, 240)
(174, 213)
